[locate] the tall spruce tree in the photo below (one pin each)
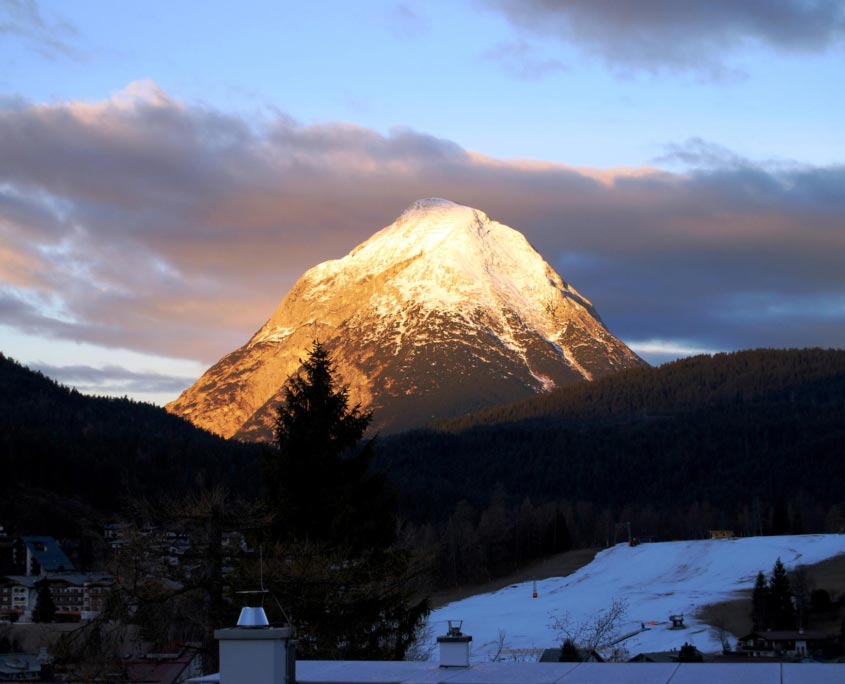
(319, 485)
(335, 567)
(760, 603)
(781, 612)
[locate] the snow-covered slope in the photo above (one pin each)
(442, 312)
(656, 580)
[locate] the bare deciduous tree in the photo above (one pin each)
(599, 631)
(500, 647)
(719, 629)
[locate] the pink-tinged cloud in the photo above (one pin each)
(151, 224)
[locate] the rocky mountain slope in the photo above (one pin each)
(443, 312)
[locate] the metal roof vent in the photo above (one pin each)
(253, 618)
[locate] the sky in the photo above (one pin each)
(169, 169)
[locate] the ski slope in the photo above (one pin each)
(656, 580)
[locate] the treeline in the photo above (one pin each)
(477, 546)
(751, 441)
(65, 456)
(474, 545)
(681, 386)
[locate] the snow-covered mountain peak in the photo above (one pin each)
(425, 225)
(442, 310)
(444, 237)
(427, 204)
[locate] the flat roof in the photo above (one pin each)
(384, 672)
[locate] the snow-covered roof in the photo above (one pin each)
(75, 578)
(369, 672)
(48, 553)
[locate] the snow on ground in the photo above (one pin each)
(656, 580)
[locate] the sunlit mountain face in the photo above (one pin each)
(442, 312)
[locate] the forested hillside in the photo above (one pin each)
(751, 441)
(64, 455)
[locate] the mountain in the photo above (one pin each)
(443, 312)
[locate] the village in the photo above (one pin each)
(45, 600)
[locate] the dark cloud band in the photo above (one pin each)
(690, 35)
(148, 224)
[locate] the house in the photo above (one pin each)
(722, 534)
(664, 656)
(781, 643)
(655, 657)
(257, 653)
(117, 534)
(21, 667)
(175, 667)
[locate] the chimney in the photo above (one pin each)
(256, 653)
(454, 646)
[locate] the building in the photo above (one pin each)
(41, 555)
(78, 596)
(175, 667)
(7, 551)
(20, 667)
(783, 643)
(655, 657)
(256, 653)
(552, 655)
(722, 534)
(116, 534)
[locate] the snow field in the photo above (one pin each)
(655, 580)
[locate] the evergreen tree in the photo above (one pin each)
(45, 607)
(781, 612)
(760, 603)
(569, 652)
(317, 485)
(335, 565)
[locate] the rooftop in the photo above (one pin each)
(372, 672)
(48, 553)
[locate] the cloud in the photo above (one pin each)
(657, 352)
(693, 35)
(145, 223)
(114, 379)
(52, 40)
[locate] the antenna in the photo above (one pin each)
(262, 592)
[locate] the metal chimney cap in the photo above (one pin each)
(253, 618)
